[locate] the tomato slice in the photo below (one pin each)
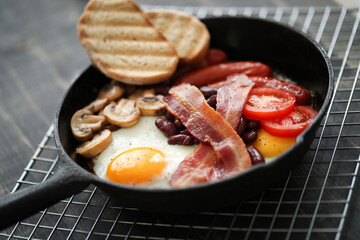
(291, 125)
(268, 103)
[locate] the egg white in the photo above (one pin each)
(143, 134)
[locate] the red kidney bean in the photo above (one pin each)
(212, 101)
(249, 136)
(166, 126)
(178, 124)
(169, 116)
(242, 126)
(255, 155)
(180, 139)
(196, 141)
(208, 91)
(162, 90)
(253, 125)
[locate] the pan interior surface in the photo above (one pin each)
(286, 50)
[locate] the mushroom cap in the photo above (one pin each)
(84, 124)
(96, 145)
(108, 125)
(151, 105)
(111, 91)
(97, 105)
(122, 114)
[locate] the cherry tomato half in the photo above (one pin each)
(268, 103)
(303, 96)
(291, 125)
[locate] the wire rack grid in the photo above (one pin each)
(311, 202)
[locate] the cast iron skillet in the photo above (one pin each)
(283, 48)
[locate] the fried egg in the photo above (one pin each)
(141, 156)
(271, 146)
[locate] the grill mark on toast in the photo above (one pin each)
(120, 32)
(167, 30)
(122, 43)
(189, 36)
(111, 6)
(111, 38)
(116, 25)
(189, 43)
(129, 48)
(162, 23)
(176, 33)
(136, 62)
(113, 18)
(111, 10)
(184, 25)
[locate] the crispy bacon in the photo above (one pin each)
(196, 168)
(231, 99)
(222, 152)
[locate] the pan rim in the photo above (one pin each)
(299, 140)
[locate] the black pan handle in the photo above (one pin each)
(26, 202)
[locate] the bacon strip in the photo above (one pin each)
(210, 162)
(231, 98)
(196, 168)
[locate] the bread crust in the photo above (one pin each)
(189, 35)
(122, 43)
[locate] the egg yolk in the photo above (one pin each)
(136, 166)
(272, 146)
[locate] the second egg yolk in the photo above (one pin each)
(136, 166)
(271, 146)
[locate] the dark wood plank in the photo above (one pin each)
(40, 57)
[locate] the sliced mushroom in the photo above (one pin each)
(97, 105)
(111, 91)
(84, 124)
(123, 114)
(151, 105)
(98, 144)
(108, 125)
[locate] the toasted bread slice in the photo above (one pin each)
(122, 43)
(189, 35)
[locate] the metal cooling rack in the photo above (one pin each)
(311, 202)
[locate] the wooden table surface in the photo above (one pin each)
(40, 55)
